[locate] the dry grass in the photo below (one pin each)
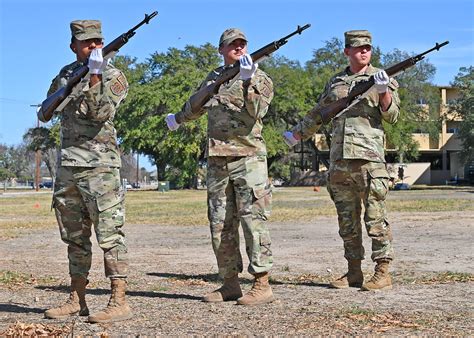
(445, 277)
(188, 207)
(15, 279)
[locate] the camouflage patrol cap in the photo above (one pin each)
(230, 35)
(357, 38)
(86, 29)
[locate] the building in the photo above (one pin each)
(438, 161)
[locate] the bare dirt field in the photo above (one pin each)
(172, 267)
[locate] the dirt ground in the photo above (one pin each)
(172, 267)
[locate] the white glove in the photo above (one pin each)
(381, 81)
(96, 63)
(289, 139)
(171, 122)
(247, 67)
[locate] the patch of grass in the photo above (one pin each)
(189, 207)
(445, 277)
(160, 288)
(14, 278)
(307, 278)
(10, 278)
(356, 310)
(448, 277)
(430, 205)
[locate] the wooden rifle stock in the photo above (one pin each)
(328, 112)
(52, 102)
(199, 99)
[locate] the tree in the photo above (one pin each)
(16, 162)
(128, 170)
(464, 107)
(292, 97)
(47, 141)
(5, 174)
(419, 106)
(159, 87)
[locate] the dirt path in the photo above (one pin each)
(172, 267)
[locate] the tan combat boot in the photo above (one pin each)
(230, 290)
(381, 279)
(353, 278)
(117, 308)
(260, 293)
(76, 304)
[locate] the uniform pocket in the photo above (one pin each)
(109, 199)
(379, 183)
(262, 205)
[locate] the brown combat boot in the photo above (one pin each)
(76, 304)
(353, 278)
(117, 308)
(230, 290)
(260, 293)
(381, 279)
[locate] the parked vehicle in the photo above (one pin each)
(46, 185)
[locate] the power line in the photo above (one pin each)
(9, 100)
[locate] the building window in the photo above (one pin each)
(436, 160)
(452, 127)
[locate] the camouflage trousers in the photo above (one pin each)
(91, 196)
(351, 184)
(238, 193)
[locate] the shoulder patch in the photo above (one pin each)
(119, 85)
(265, 86)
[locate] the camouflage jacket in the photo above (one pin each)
(357, 133)
(234, 115)
(88, 137)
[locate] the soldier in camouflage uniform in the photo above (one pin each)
(357, 172)
(239, 191)
(87, 191)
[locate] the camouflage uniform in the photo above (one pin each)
(237, 179)
(87, 189)
(357, 164)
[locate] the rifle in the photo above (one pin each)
(56, 101)
(200, 98)
(327, 113)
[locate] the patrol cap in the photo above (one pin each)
(357, 38)
(230, 35)
(86, 29)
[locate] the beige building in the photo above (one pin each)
(438, 161)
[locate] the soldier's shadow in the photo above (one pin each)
(19, 308)
(214, 278)
(131, 293)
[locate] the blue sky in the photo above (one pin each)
(35, 35)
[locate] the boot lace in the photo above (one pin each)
(377, 275)
(256, 288)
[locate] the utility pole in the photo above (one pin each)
(138, 167)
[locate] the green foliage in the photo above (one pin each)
(42, 138)
(15, 162)
(293, 98)
(5, 174)
(326, 62)
(464, 107)
(416, 95)
(157, 88)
